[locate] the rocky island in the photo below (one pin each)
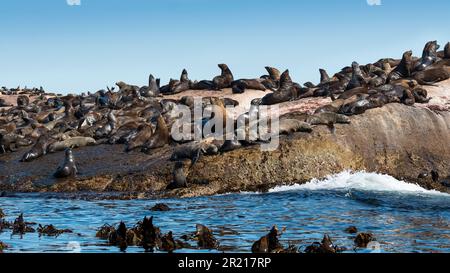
(389, 117)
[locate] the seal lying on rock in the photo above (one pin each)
(39, 149)
(289, 126)
(239, 86)
(286, 92)
(4, 104)
(68, 168)
(144, 133)
(326, 118)
(11, 142)
(432, 75)
(182, 85)
(194, 151)
(74, 142)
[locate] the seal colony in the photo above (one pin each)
(140, 119)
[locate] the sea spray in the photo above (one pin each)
(363, 181)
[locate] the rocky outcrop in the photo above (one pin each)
(398, 140)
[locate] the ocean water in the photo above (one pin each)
(403, 217)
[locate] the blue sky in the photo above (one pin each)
(88, 46)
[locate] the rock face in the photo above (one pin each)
(398, 140)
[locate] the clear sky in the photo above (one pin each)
(76, 48)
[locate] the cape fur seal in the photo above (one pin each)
(324, 78)
(289, 126)
(429, 56)
(325, 118)
(144, 132)
(179, 177)
(68, 168)
(241, 85)
(404, 69)
(225, 79)
(432, 75)
(23, 101)
(160, 136)
(152, 89)
(285, 93)
(3, 103)
(9, 142)
(182, 85)
(194, 151)
(39, 149)
(74, 142)
(357, 79)
(447, 51)
(272, 80)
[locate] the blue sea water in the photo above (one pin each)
(402, 216)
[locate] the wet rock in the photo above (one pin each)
(50, 230)
(268, 243)
(119, 237)
(324, 247)
(291, 249)
(2, 214)
(160, 207)
(188, 237)
(168, 243)
(5, 225)
(3, 246)
(180, 244)
(151, 235)
(21, 227)
(205, 237)
(104, 232)
(363, 239)
(351, 230)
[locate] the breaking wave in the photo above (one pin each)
(361, 181)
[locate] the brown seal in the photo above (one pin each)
(3, 103)
(23, 101)
(39, 149)
(447, 51)
(182, 85)
(432, 75)
(152, 89)
(241, 85)
(286, 92)
(324, 78)
(160, 136)
(404, 69)
(272, 80)
(68, 168)
(225, 79)
(357, 79)
(144, 132)
(179, 177)
(429, 56)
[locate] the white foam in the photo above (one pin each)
(359, 181)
